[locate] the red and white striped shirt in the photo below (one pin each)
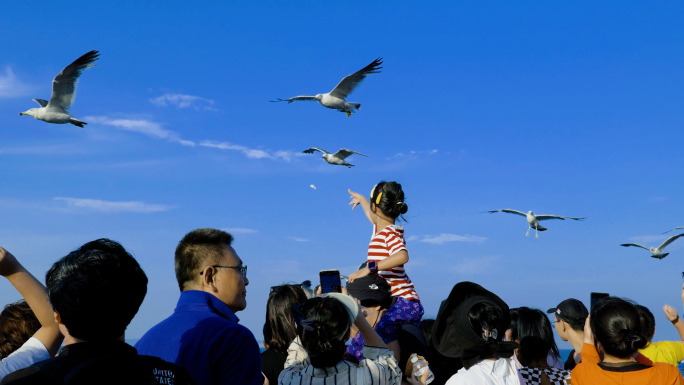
(385, 243)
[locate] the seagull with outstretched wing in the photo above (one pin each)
(533, 220)
(336, 158)
(656, 252)
(676, 228)
(63, 93)
(337, 98)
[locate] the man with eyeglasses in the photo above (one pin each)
(203, 334)
(569, 317)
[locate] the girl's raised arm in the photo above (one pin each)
(358, 199)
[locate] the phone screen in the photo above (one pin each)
(595, 297)
(330, 281)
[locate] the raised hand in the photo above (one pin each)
(356, 199)
(8, 263)
(670, 313)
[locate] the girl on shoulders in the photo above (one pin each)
(387, 255)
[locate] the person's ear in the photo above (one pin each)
(58, 318)
(208, 276)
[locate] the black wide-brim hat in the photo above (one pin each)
(452, 333)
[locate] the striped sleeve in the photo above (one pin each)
(394, 242)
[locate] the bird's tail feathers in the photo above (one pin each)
(664, 255)
(77, 122)
(541, 228)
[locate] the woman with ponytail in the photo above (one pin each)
(316, 356)
(613, 331)
(387, 256)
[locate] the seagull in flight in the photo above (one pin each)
(63, 92)
(656, 252)
(337, 98)
(676, 228)
(336, 158)
(533, 220)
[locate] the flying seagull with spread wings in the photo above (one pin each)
(337, 98)
(336, 158)
(656, 252)
(676, 228)
(533, 220)
(63, 92)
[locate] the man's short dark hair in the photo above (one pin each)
(198, 247)
(97, 290)
(647, 321)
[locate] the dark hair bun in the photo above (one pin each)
(392, 200)
(617, 327)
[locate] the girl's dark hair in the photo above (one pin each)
(513, 326)
(279, 328)
(533, 349)
(535, 323)
(391, 201)
(329, 320)
(485, 315)
(647, 321)
(17, 325)
(616, 327)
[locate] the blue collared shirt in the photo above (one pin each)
(203, 335)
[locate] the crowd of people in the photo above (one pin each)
(71, 331)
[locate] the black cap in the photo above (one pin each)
(571, 311)
(371, 286)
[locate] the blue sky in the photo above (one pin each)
(569, 109)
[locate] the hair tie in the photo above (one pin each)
(400, 202)
(486, 334)
(306, 324)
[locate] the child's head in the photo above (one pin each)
(324, 330)
(17, 325)
(533, 350)
(617, 327)
(388, 197)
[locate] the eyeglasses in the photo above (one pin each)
(243, 269)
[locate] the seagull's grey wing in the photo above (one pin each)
(509, 211)
(350, 82)
(64, 84)
(669, 240)
(676, 228)
(42, 102)
(635, 244)
(343, 153)
(545, 217)
(306, 98)
(312, 149)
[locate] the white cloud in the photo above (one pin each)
(184, 101)
(141, 126)
(114, 206)
(413, 153)
(249, 152)
(11, 87)
(240, 230)
(298, 239)
(444, 238)
(646, 240)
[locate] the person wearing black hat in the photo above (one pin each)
(383, 312)
(469, 331)
(569, 317)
